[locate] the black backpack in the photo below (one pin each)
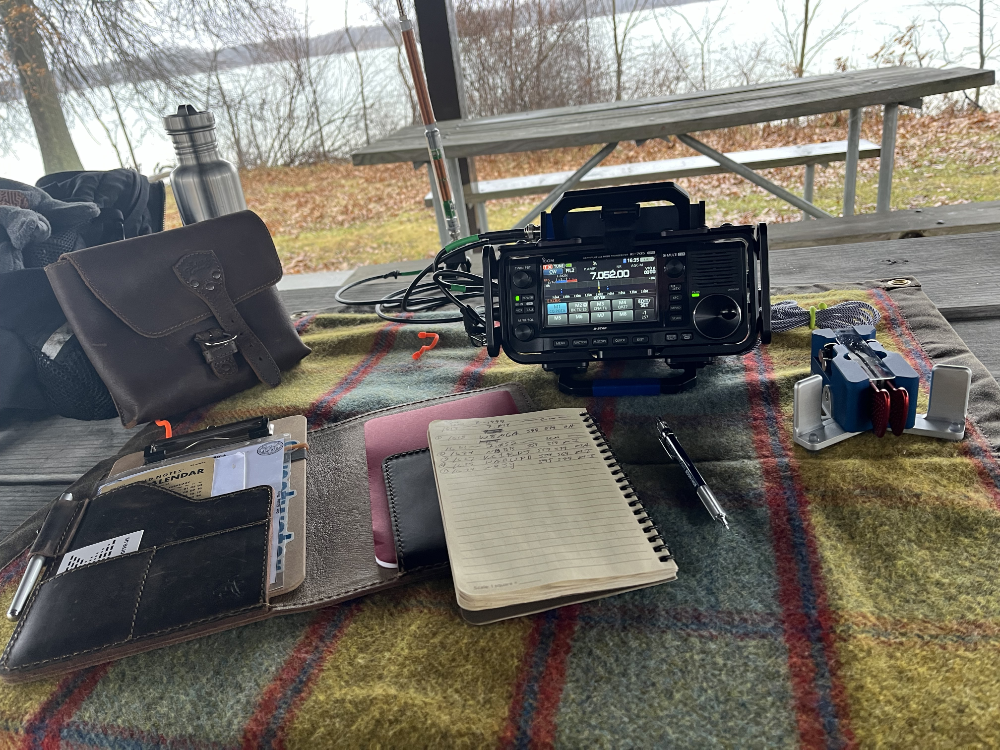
(44, 369)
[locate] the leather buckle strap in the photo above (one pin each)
(202, 273)
(218, 348)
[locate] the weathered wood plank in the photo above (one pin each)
(960, 273)
(657, 118)
(921, 222)
(56, 446)
(981, 338)
(667, 169)
(17, 503)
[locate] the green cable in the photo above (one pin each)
(446, 249)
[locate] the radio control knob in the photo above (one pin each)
(522, 279)
(524, 332)
(674, 268)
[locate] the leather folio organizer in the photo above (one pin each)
(202, 565)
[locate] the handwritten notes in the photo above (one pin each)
(532, 510)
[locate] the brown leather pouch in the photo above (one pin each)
(180, 319)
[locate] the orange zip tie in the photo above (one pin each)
(426, 347)
(166, 428)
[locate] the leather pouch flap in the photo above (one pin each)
(135, 278)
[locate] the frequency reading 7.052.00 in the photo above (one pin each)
(618, 273)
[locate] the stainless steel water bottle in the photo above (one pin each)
(204, 184)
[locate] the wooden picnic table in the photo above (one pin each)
(38, 459)
(683, 114)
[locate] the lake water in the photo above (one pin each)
(734, 24)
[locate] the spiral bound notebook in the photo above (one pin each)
(538, 514)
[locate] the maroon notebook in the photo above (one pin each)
(407, 431)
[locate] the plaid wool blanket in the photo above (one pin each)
(854, 602)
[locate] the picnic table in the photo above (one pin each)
(680, 115)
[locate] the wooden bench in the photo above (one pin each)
(671, 169)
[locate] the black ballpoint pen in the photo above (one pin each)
(673, 448)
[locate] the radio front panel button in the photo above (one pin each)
(600, 305)
(577, 319)
(622, 316)
(640, 339)
(622, 304)
(527, 297)
(560, 344)
(676, 318)
(557, 320)
(671, 337)
(687, 336)
(676, 297)
(601, 341)
(644, 303)
(556, 308)
(676, 287)
(579, 307)
(600, 317)
(619, 340)
(676, 308)
(644, 315)
(580, 342)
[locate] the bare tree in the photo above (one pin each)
(986, 42)
(386, 13)
(701, 37)
(622, 26)
(82, 46)
(801, 40)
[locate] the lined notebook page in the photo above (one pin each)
(531, 510)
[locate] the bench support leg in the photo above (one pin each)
(481, 218)
(851, 172)
(443, 237)
(807, 188)
(887, 158)
(570, 183)
(748, 174)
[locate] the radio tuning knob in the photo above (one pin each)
(674, 268)
(524, 332)
(522, 279)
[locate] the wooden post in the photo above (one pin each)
(440, 49)
(851, 173)
(887, 158)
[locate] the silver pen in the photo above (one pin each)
(30, 578)
(673, 448)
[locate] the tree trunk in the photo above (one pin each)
(19, 19)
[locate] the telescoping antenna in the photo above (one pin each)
(434, 147)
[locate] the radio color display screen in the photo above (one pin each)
(600, 290)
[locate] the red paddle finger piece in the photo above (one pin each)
(880, 411)
(899, 407)
(426, 347)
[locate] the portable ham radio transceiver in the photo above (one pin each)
(615, 278)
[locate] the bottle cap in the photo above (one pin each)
(188, 119)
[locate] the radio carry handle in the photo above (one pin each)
(621, 198)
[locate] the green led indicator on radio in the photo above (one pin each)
(695, 294)
(517, 299)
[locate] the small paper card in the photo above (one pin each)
(98, 551)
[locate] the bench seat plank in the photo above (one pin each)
(668, 169)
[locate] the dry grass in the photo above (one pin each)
(336, 216)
